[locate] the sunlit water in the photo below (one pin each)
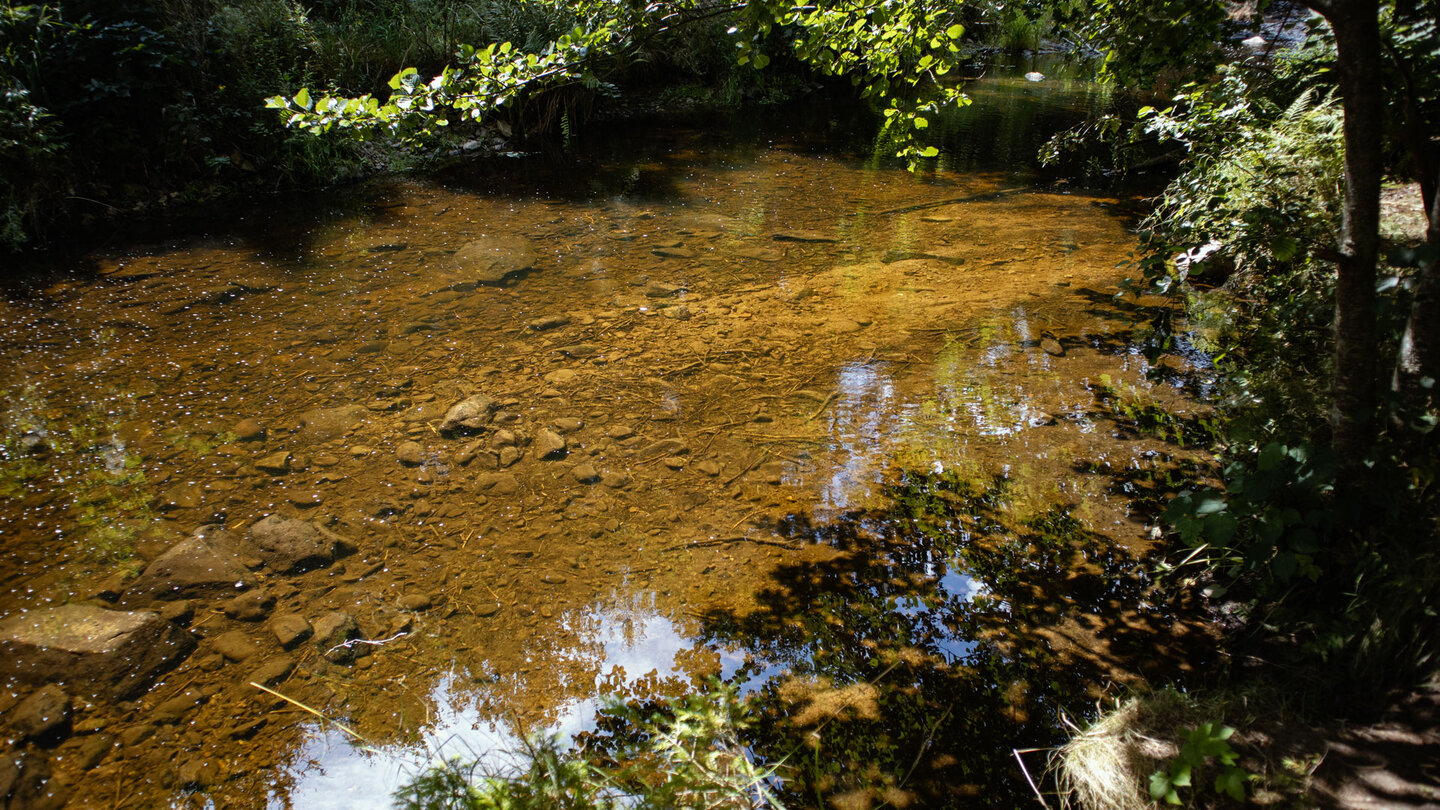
(743, 335)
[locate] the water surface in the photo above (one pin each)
(839, 432)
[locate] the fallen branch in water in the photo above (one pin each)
(823, 406)
(293, 702)
(989, 195)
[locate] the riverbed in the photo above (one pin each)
(743, 401)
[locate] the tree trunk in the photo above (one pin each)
(1356, 24)
(1419, 356)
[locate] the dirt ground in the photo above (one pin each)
(1394, 762)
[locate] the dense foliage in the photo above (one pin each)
(895, 53)
(1247, 233)
(129, 106)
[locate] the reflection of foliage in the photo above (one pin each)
(915, 654)
(1138, 411)
(683, 753)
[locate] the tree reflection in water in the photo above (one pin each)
(936, 635)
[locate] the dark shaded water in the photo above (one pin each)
(842, 432)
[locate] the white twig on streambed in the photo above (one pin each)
(345, 645)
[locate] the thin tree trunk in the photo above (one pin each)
(1356, 24)
(1419, 356)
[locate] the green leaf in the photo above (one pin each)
(302, 98)
(1159, 785)
(929, 152)
(1285, 248)
(399, 78)
(1231, 782)
(1284, 566)
(1209, 503)
(955, 31)
(1220, 528)
(921, 123)
(1271, 456)
(761, 60)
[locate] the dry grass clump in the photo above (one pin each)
(1108, 766)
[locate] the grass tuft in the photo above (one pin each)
(1106, 766)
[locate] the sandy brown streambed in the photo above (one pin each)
(671, 378)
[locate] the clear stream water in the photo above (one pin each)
(841, 433)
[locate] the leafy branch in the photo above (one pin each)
(894, 51)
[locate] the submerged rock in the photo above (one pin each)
(324, 424)
(235, 645)
(549, 444)
(272, 672)
(332, 631)
(489, 259)
(288, 544)
(472, 413)
(251, 606)
(44, 714)
(26, 780)
(249, 430)
(411, 454)
(193, 567)
(290, 629)
(660, 289)
(497, 484)
(276, 463)
(666, 447)
(111, 652)
(549, 322)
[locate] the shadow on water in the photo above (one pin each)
(923, 641)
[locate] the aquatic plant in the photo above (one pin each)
(102, 482)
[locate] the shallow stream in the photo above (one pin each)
(760, 407)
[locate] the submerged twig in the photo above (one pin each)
(823, 406)
(293, 702)
(345, 645)
(989, 195)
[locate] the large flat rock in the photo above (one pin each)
(489, 259)
(89, 649)
(200, 565)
